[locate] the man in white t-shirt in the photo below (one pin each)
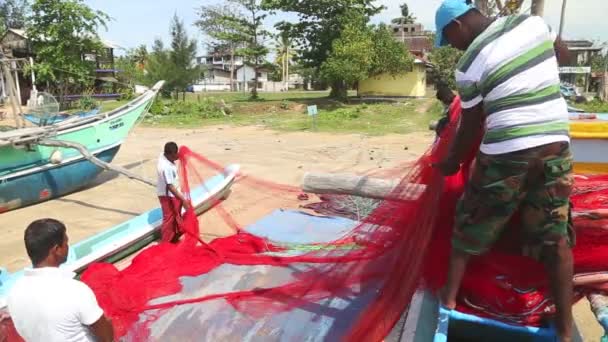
(47, 304)
(170, 197)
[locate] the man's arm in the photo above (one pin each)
(102, 329)
(471, 122)
(561, 52)
(179, 196)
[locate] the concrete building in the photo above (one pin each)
(409, 84)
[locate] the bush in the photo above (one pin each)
(205, 109)
(87, 102)
(127, 94)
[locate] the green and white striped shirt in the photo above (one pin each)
(511, 68)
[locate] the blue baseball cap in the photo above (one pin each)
(446, 13)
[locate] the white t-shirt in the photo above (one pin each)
(167, 175)
(512, 70)
(48, 305)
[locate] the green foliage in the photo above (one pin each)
(13, 14)
(351, 55)
(61, 31)
(595, 106)
(127, 94)
(87, 102)
(204, 109)
(239, 26)
(363, 51)
(173, 65)
(183, 52)
(318, 24)
(131, 73)
(444, 60)
(599, 63)
(389, 56)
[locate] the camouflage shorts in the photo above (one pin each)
(537, 182)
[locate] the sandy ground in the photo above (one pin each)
(279, 157)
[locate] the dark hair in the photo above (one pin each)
(41, 236)
(170, 148)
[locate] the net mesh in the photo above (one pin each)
(395, 247)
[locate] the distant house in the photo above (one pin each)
(217, 75)
(15, 44)
(410, 83)
(578, 72)
(217, 78)
(414, 36)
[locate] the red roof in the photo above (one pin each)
(418, 43)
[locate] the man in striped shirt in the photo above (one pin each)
(508, 80)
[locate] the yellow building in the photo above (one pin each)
(408, 84)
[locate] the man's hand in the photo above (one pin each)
(447, 167)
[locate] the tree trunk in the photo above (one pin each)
(287, 69)
(232, 87)
(339, 91)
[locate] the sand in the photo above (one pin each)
(279, 157)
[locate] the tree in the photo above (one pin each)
(318, 26)
(254, 34)
(13, 14)
(406, 16)
(222, 23)
(182, 55)
(284, 55)
(62, 32)
(140, 56)
(130, 67)
(351, 55)
(444, 60)
(599, 63)
(160, 66)
(363, 51)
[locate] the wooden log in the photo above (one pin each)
(98, 162)
(363, 186)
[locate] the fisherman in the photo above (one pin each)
(508, 79)
(47, 304)
(170, 197)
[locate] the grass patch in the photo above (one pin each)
(287, 112)
(594, 106)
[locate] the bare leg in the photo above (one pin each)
(558, 262)
(457, 267)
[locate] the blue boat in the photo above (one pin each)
(59, 117)
(131, 236)
(31, 172)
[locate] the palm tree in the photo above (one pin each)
(141, 56)
(284, 56)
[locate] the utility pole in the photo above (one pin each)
(538, 7)
(562, 18)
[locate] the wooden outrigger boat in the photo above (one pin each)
(131, 236)
(41, 163)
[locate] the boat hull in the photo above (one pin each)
(51, 181)
(589, 143)
(32, 173)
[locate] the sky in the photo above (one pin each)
(136, 22)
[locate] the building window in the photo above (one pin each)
(396, 29)
(259, 74)
(413, 29)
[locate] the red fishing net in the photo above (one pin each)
(399, 245)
